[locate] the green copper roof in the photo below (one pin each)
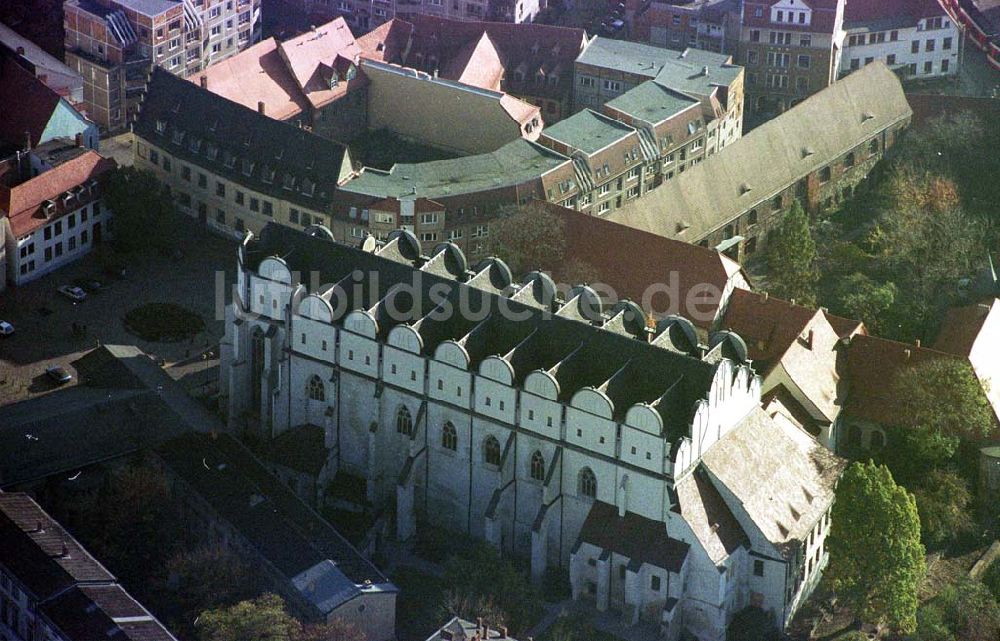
(588, 131)
(652, 102)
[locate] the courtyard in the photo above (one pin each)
(51, 329)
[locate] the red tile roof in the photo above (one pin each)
(769, 325)
(630, 261)
(387, 42)
(477, 64)
(23, 202)
(872, 366)
(873, 10)
(254, 75)
(962, 326)
(310, 57)
(27, 104)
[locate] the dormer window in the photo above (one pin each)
(267, 174)
(161, 126)
(194, 144)
(228, 159)
(351, 72)
(49, 208)
(212, 151)
(247, 167)
(288, 182)
(308, 187)
(178, 137)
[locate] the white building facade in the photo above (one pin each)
(535, 424)
(919, 42)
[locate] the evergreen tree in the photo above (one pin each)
(876, 558)
(791, 259)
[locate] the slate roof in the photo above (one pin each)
(588, 131)
(631, 260)
(652, 102)
(462, 630)
(710, 194)
(515, 163)
(28, 104)
(708, 516)
(640, 539)
(678, 70)
(74, 591)
(301, 448)
(539, 340)
(23, 202)
(208, 130)
(801, 477)
(275, 522)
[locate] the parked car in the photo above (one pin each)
(91, 285)
(59, 374)
(75, 294)
(6, 329)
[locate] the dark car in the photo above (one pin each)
(59, 374)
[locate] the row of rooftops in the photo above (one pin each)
(576, 342)
(73, 591)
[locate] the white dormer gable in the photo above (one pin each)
(791, 12)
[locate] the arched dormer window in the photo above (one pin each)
(491, 451)
(449, 437)
(588, 483)
(537, 466)
(404, 421)
(315, 388)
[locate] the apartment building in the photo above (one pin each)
(734, 199)
(53, 211)
(609, 68)
(47, 68)
(712, 25)
(52, 588)
(365, 15)
(114, 44)
(791, 49)
(915, 38)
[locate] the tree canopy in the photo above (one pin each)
(266, 619)
(791, 259)
(876, 558)
(143, 209)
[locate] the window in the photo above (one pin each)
(254, 204)
(315, 387)
(491, 450)
(751, 57)
(612, 85)
(946, 44)
(293, 216)
(776, 203)
(404, 421)
(928, 66)
(186, 173)
(268, 208)
(755, 35)
(893, 36)
(890, 59)
(804, 62)
(945, 65)
(849, 160)
(825, 174)
(449, 437)
(202, 180)
(805, 41)
(154, 156)
(654, 583)
(873, 146)
(930, 45)
(915, 46)
(758, 567)
(588, 483)
(537, 466)
(752, 217)
(220, 190)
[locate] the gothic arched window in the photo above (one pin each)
(315, 388)
(538, 466)
(491, 450)
(449, 437)
(404, 421)
(588, 483)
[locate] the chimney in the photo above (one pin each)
(704, 70)
(65, 550)
(766, 295)
(43, 78)
(906, 354)
(917, 342)
(20, 51)
(27, 141)
(503, 631)
(79, 140)
(204, 81)
(809, 339)
(260, 107)
(39, 526)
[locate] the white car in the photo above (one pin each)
(75, 294)
(6, 329)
